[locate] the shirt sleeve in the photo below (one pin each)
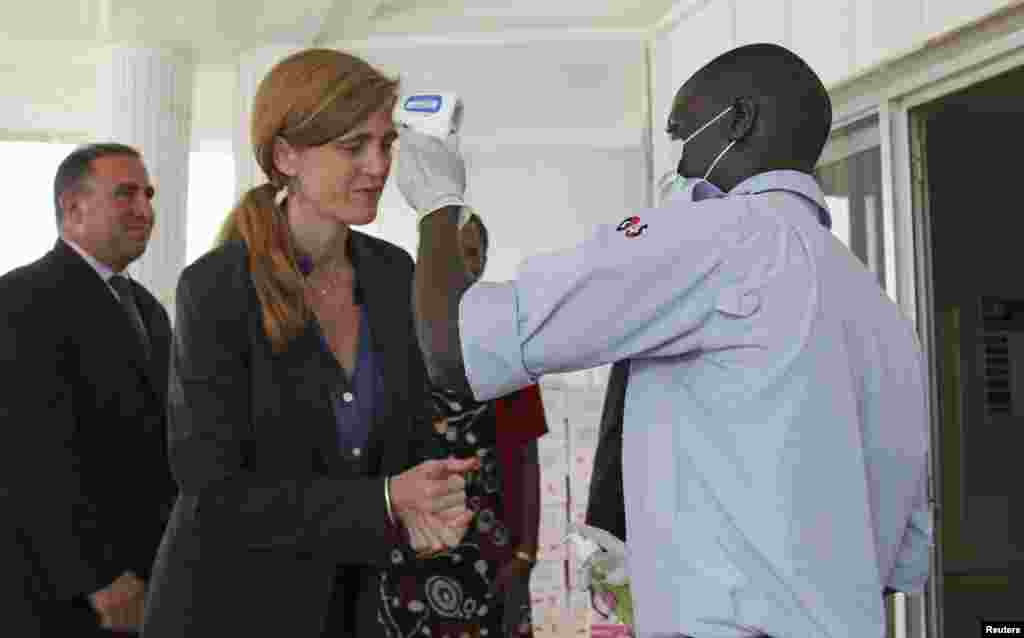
(638, 289)
(913, 559)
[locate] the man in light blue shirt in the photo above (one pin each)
(775, 428)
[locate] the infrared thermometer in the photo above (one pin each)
(436, 114)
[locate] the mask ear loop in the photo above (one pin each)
(707, 124)
(726, 149)
(720, 155)
(701, 129)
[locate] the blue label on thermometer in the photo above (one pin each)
(423, 103)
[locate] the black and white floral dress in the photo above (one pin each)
(447, 595)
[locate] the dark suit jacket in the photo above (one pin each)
(83, 465)
(605, 506)
(274, 533)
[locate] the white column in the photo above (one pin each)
(253, 65)
(145, 101)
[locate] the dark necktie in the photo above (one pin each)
(123, 288)
(606, 506)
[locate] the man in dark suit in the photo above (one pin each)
(86, 487)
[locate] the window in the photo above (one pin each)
(850, 173)
(211, 196)
(31, 168)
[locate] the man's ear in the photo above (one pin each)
(69, 205)
(743, 119)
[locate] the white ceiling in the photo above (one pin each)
(217, 29)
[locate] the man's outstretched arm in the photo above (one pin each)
(618, 295)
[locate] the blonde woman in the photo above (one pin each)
(298, 393)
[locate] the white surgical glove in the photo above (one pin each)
(431, 172)
(588, 543)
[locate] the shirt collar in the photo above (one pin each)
(787, 180)
(104, 271)
(704, 189)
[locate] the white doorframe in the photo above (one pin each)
(906, 230)
(888, 195)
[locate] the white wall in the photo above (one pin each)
(528, 91)
(213, 107)
(211, 185)
(534, 199)
(49, 90)
(553, 137)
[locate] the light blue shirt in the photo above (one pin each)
(104, 271)
(775, 429)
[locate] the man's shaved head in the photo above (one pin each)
(781, 116)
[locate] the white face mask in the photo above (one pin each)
(672, 182)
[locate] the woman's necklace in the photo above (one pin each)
(329, 284)
(326, 272)
(327, 279)
(320, 281)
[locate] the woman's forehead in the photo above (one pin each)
(374, 128)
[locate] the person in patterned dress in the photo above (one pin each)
(481, 587)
